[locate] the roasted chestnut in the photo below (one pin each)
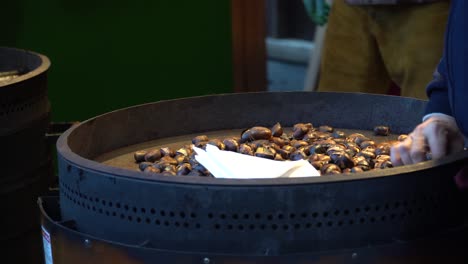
(153, 155)
(277, 130)
(139, 155)
(151, 169)
(402, 137)
(142, 166)
(256, 133)
(245, 149)
(297, 155)
(265, 152)
(184, 169)
(381, 130)
(231, 144)
(330, 168)
(201, 138)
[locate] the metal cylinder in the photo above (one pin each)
(26, 158)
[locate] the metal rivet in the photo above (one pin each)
(87, 243)
(354, 255)
(206, 261)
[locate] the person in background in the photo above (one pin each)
(372, 44)
(444, 129)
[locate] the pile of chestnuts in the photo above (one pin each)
(330, 151)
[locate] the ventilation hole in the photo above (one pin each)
(171, 214)
(138, 220)
(319, 224)
(346, 212)
(166, 223)
(143, 210)
(130, 218)
(314, 215)
(122, 216)
(351, 222)
(270, 217)
(103, 202)
(217, 226)
(69, 168)
(405, 203)
(292, 216)
(383, 218)
(89, 207)
(308, 225)
(240, 227)
(325, 214)
(126, 207)
(148, 221)
(297, 226)
(252, 227)
(337, 213)
(410, 212)
(387, 206)
(210, 215)
(162, 213)
(362, 220)
(157, 222)
(340, 223)
(235, 216)
(258, 216)
(274, 226)
(100, 210)
(135, 210)
(230, 227)
(372, 219)
(377, 208)
(402, 215)
(330, 223)
(366, 209)
(110, 204)
(198, 226)
(94, 208)
(285, 227)
(186, 224)
(182, 215)
(96, 200)
(262, 226)
(304, 215)
(397, 204)
(80, 172)
(246, 216)
(222, 216)
(280, 216)
(114, 214)
(357, 210)
(392, 216)
(152, 211)
(117, 205)
(193, 215)
(177, 224)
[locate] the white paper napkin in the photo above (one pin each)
(233, 165)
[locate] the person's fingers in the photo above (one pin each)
(405, 149)
(437, 139)
(418, 148)
(395, 155)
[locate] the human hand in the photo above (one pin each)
(439, 135)
(317, 10)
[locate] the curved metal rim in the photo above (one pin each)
(45, 65)
(90, 165)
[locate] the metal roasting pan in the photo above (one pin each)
(104, 195)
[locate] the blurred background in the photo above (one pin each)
(111, 54)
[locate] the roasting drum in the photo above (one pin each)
(26, 160)
(105, 197)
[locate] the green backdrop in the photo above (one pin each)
(109, 54)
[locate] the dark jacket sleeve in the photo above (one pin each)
(437, 91)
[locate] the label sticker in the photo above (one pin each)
(47, 247)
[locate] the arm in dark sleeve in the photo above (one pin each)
(437, 91)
